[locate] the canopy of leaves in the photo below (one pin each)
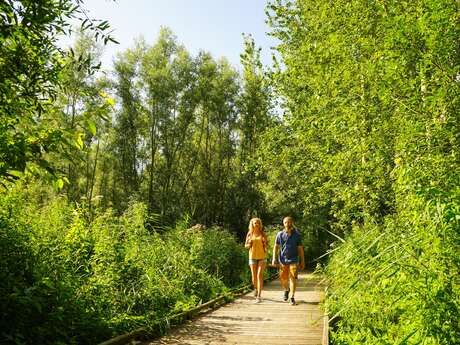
(369, 145)
(30, 67)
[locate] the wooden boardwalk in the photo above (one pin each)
(272, 321)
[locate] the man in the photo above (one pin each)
(288, 252)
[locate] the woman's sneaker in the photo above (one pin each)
(258, 300)
(286, 295)
(292, 301)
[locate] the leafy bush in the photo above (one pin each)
(392, 283)
(66, 280)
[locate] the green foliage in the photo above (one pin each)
(218, 253)
(42, 304)
(393, 283)
(365, 156)
(65, 279)
(91, 263)
(184, 134)
(368, 146)
(30, 74)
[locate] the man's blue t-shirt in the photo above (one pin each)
(288, 246)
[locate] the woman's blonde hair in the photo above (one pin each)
(251, 230)
(251, 224)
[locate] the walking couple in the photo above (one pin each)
(288, 254)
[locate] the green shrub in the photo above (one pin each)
(64, 279)
(392, 283)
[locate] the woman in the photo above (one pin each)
(256, 242)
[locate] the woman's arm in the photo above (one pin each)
(248, 242)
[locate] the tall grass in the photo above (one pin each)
(64, 279)
(398, 282)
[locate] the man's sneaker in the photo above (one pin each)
(292, 301)
(286, 295)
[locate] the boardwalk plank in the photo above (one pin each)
(272, 322)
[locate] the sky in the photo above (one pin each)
(215, 26)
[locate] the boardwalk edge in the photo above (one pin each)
(186, 315)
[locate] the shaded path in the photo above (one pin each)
(271, 322)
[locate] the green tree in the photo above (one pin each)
(175, 131)
(128, 124)
(371, 98)
(81, 107)
(168, 77)
(30, 67)
(254, 117)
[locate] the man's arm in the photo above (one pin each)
(301, 257)
(276, 249)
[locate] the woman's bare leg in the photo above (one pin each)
(254, 276)
(260, 277)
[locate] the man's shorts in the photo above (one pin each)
(289, 270)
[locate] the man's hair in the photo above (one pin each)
(288, 217)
